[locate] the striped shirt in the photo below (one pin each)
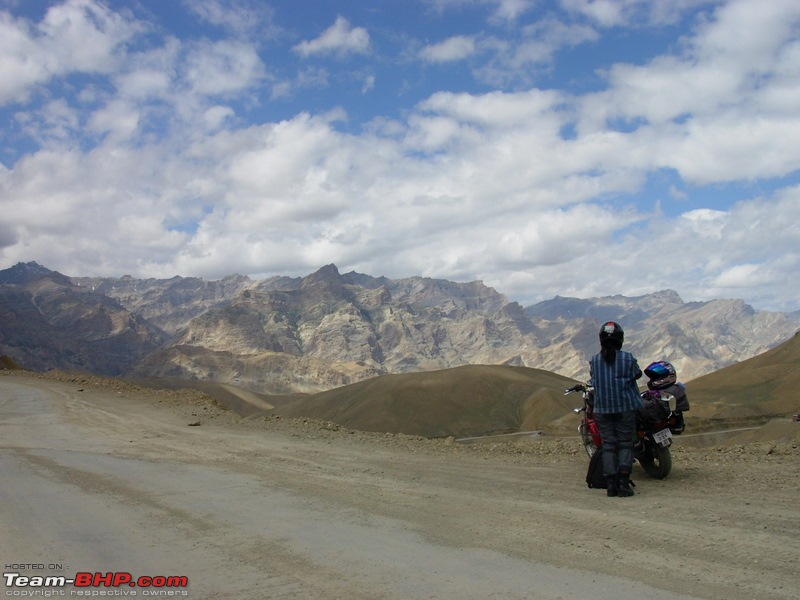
(615, 388)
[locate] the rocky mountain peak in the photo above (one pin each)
(22, 273)
(666, 297)
(365, 281)
(327, 274)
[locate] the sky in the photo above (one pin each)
(578, 148)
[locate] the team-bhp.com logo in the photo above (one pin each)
(158, 585)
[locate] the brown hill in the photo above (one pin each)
(483, 399)
(8, 363)
(761, 387)
(462, 401)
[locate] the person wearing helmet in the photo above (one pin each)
(613, 373)
(662, 379)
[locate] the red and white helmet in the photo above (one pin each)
(612, 332)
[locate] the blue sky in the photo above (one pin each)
(565, 147)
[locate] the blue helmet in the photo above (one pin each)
(661, 374)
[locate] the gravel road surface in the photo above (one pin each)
(104, 478)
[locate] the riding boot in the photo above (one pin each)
(611, 486)
(624, 485)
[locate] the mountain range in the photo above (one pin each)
(284, 335)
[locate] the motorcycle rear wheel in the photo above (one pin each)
(656, 462)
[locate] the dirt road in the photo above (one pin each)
(164, 484)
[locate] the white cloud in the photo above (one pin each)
(452, 49)
(368, 84)
(222, 68)
(536, 109)
(340, 38)
(728, 64)
(22, 64)
(144, 83)
(76, 36)
(604, 12)
(241, 17)
(749, 252)
(54, 125)
(85, 35)
(503, 11)
(524, 59)
(117, 119)
(720, 112)
(741, 276)
(558, 237)
(677, 193)
(216, 116)
(733, 147)
(295, 195)
(549, 35)
(617, 13)
(511, 10)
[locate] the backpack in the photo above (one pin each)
(594, 476)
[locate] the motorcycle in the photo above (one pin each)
(656, 423)
(588, 429)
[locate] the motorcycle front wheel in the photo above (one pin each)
(586, 440)
(656, 461)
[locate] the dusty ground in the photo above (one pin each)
(103, 476)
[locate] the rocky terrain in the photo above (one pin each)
(285, 335)
(48, 322)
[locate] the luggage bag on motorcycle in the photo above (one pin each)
(653, 408)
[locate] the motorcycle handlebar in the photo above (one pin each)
(575, 388)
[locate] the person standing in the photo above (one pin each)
(613, 374)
